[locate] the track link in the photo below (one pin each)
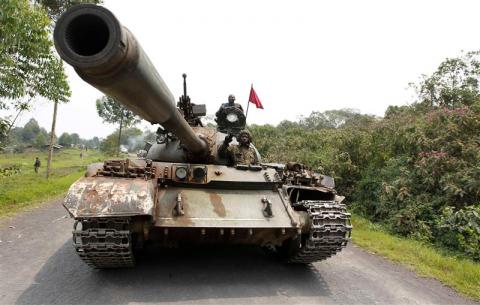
(330, 231)
(104, 242)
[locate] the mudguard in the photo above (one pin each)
(110, 196)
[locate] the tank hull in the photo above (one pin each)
(125, 205)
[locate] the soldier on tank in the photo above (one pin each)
(241, 154)
(230, 117)
(231, 103)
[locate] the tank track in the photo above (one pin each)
(104, 242)
(330, 231)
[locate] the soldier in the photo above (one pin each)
(36, 165)
(231, 103)
(243, 153)
(231, 100)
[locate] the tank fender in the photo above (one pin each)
(110, 196)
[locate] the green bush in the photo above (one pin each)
(416, 171)
(461, 229)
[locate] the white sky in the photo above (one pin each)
(301, 56)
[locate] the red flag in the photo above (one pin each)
(254, 99)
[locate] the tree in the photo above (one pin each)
(28, 66)
(454, 84)
(40, 140)
(128, 139)
(30, 131)
(114, 113)
(65, 140)
(93, 143)
(26, 56)
(75, 138)
(56, 7)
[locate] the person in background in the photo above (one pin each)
(36, 165)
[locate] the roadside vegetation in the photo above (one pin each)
(453, 269)
(21, 187)
(416, 170)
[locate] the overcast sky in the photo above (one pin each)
(301, 56)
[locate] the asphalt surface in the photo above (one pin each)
(38, 265)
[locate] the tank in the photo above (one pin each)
(184, 189)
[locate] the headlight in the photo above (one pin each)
(199, 173)
(181, 173)
(232, 117)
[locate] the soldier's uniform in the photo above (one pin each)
(240, 154)
(36, 165)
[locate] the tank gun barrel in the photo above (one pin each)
(106, 55)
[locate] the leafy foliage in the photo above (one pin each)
(115, 113)
(417, 170)
(56, 7)
(461, 229)
(455, 83)
(28, 66)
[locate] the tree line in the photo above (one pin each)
(33, 135)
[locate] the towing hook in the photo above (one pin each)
(178, 210)
(267, 210)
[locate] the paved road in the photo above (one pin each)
(39, 266)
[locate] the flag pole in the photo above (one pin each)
(248, 105)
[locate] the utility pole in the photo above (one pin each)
(52, 139)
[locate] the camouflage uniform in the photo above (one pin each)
(36, 165)
(242, 155)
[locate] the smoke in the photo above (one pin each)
(136, 143)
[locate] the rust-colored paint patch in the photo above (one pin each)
(217, 203)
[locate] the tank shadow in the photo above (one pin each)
(188, 274)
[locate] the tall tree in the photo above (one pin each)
(114, 113)
(30, 131)
(75, 138)
(27, 62)
(28, 66)
(454, 84)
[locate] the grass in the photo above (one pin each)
(459, 273)
(27, 188)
